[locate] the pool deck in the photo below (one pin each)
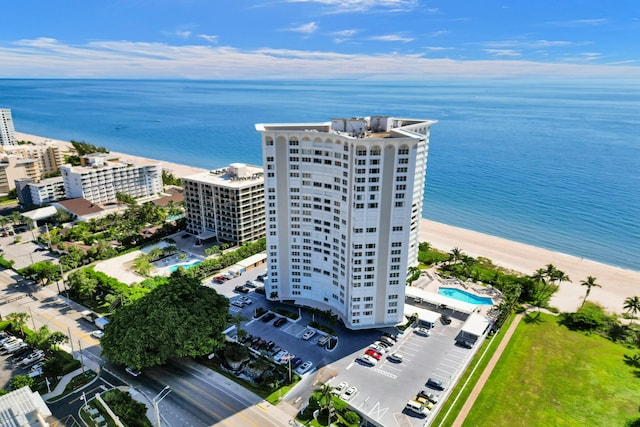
(430, 281)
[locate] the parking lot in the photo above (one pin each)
(383, 390)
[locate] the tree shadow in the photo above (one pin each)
(533, 317)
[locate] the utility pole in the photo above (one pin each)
(156, 400)
(81, 357)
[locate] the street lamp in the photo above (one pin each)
(156, 400)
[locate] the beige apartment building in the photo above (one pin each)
(226, 204)
(48, 157)
(13, 168)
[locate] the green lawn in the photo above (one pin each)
(551, 376)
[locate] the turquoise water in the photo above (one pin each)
(553, 163)
(174, 217)
(461, 295)
(186, 266)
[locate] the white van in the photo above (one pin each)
(416, 408)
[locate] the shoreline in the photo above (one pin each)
(617, 283)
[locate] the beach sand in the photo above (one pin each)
(617, 283)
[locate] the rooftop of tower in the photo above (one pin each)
(374, 127)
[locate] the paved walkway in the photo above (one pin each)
(487, 371)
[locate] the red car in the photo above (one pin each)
(373, 353)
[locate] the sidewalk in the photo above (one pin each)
(466, 408)
(59, 389)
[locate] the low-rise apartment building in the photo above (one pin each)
(39, 193)
(227, 204)
(13, 168)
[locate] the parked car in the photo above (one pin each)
(423, 331)
(340, 388)
(35, 373)
(434, 383)
(391, 336)
(21, 346)
(237, 303)
(429, 396)
(378, 348)
(349, 393)
(286, 358)
(304, 368)
(445, 319)
(260, 290)
(396, 357)
(386, 340)
(281, 321)
(32, 358)
(296, 362)
(245, 300)
(242, 289)
(275, 350)
(268, 317)
(367, 360)
(270, 345)
(279, 354)
(250, 284)
(371, 352)
(323, 340)
(417, 408)
(308, 334)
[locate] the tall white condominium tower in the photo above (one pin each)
(7, 131)
(343, 208)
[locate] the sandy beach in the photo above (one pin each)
(617, 283)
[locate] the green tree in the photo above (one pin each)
(20, 381)
(632, 305)
(455, 255)
(83, 148)
(55, 339)
(43, 271)
(19, 321)
(179, 319)
(589, 283)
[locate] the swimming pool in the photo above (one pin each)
(464, 296)
(186, 266)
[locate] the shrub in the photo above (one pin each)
(130, 412)
(352, 418)
(589, 317)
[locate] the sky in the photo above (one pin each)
(320, 39)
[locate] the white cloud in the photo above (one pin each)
(439, 33)
(438, 48)
(502, 52)
(210, 39)
(346, 6)
(579, 22)
(308, 28)
(536, 44)
(345, 33)
(392, 38)
(48, 58)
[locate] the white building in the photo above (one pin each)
(227, 204)
(100, 178)
(7, 130)
(41, 192)
(343, 205)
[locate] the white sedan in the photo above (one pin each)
(349, 393)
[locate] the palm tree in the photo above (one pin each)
(19, 321)
(589, 283)
(632, 305)
(326, 401)
(414, 273)
(455, 255)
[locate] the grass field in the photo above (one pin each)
(551, 376)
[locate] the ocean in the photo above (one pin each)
(554, 164)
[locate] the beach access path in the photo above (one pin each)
(617, 283)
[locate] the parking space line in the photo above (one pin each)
(385, 373)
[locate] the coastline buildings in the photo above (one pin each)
(47, 190)
(343, 205)
(100, 178)
(7, 130)
(13, 168)
(227, 204)
(48, 157)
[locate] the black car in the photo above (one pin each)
(437, 384)
(270, 345)
(260, 290)
(390, 336)
(281, 321)
(446, 319)
(268, 317)
(241, 289)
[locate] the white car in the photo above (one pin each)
(396, 357)
(349, 393)
(367, 360)
(98, 334)
(340, 388)
(35, 373)
(245, 300)
(308, 334)
(304, 368)
(423, 331)
(379, 348)
(133, 371)
(33, 357)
